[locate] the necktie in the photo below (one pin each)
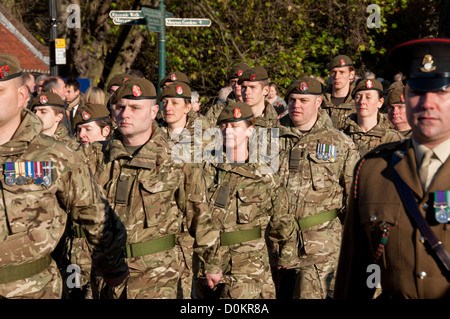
(424, 167)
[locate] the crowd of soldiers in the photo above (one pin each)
(120, 197)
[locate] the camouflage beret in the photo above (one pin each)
(424, 62)
(256, 73)
(46, 99)
(235, 112)
(9, 67)
(340, 61)
(305, 85)
(176, 89)
(367, 84)
(135, 89)
(118, 79)
(395, 96)
(90, 112)
(175, 77)
(237, 70)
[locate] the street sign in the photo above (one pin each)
(189, 22)
(127, 21)
(60, 51)
(155, 13)
(135, 14)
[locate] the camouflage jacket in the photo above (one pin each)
(214, 111)
(151, 193)
(269, 117)
(62, 135)
(33, 216)
(338, 113)
(253, 200)
(383, 132)
(317, 185)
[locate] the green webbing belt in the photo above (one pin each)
(240, 236)
(78, 232)
(151, 246)
(13, 273)
(317, 219)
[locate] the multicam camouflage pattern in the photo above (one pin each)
(159, 194)
(62, 135)
(338, 113)
(316, 185)
(33, 217)
(269, 117)
(214, 111)
(382, 133)
(255, 200)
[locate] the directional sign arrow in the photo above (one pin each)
(179, 22)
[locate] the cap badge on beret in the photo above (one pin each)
(86, 116)
(342, 62)
(237, 113)
(402, 98)
(369, 84)
(124, 79)
(173, 77)
(427, 64)
(179, 90)
(4, 70)
(136, 89)
(240, 72)
(253, 77)
(43, 99)
(304, 87)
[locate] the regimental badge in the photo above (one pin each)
(124, 79)
(402, 98)
(173, 77)
(4, 70)
(342, 62)
(304, 87)
(85, 115)
(136, 89)
(43, 99)
(442, 206)
(253, 77)
(369, 84)
(326, 152)
(427, 64)
(179, 90)
(239, 73)
(237, 113)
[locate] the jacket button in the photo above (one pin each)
(425, 206)
(422, 274)
(422, 239)
(373, 218)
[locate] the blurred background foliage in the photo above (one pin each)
(287, 37)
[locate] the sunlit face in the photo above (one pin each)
(367, 103)
(397, 116)
(235, 134)
(71, 94)
(175, 109)
(134, 117)
(428, 115)
(61, 89)
(49, 118)
(341, 77)
(237, 89)
(253, 93)
(12, 97)
(92, 132)
(272, 92)
(303, 109)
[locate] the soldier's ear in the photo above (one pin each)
(22, 96)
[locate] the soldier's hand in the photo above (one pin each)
(213, 279)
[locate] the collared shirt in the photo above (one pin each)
(441, 154)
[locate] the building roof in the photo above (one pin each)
(17, 40)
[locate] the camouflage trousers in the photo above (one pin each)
(153, 276)
(45, 285)
(186, 244)
(314, 281)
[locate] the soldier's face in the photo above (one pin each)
(253, 93)
(428, 115)
(237, 89)
(13, 97)
(91, 132)
(175, 110)
(49, 118)
(134, 117)
(367, 103)
(397, 115)
(341, 77)
(303, 109)
(235, 135)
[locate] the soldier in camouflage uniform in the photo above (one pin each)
(152, 192)
(396, 109)
(369, 128)
(179, 126)
(317, 168)
(244, 201)
(337, 100)
(235, 96)
(41, 181)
